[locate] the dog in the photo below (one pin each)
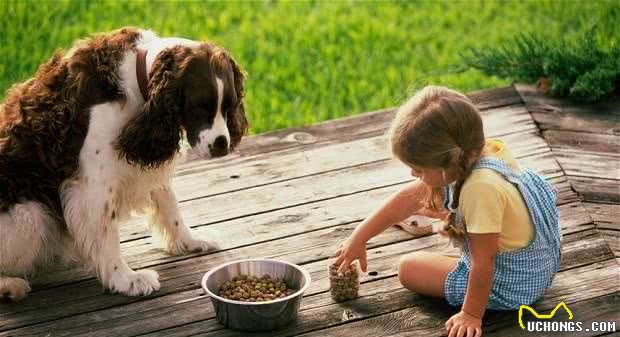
(94, 135)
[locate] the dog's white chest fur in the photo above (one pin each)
(125, 187)
(106, 189)
(105, 181)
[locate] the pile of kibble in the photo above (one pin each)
(345, 285)
(248, 288)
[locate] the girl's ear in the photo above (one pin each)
(153, 136)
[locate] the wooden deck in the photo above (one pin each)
(295, 194)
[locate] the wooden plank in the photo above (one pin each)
(73, 298)
(574, 218)
(559, 114)
(596, 189)
(268, 226)
(598, 309)
(606, 216)
(134, 244)
(607, 220)
(583, 142)
(612, 238)
(589, 165)
(385, 308)
(313, 268)
(254, 172)
(529, 94)
(354, 127)
(182, 275)
(497, 122)
(583, 248)
(550, 118)
(382, 260)
(332, 185)
(306, 223)
(203, 181)
(281, 195)
(485, 99)
(570, 221)
(421, 320)
(429, 322)
(566, 194)
(591, 162)
(328, 185)
(209, 324)
(255, 223)
(544, 164)
(148, 259)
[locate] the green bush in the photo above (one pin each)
(584, 69)
(307, 61)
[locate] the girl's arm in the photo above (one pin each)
(395, 209)
(483, 248)
(468, 322)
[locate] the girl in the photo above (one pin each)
(505, 219)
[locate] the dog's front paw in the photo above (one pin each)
(187, 245)
(13, 289)
(135, 283)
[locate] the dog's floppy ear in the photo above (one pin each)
(237, 121)
(152, 137)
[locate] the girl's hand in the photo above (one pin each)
(349, 252)
(464, 325)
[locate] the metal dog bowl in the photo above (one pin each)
(256, 316)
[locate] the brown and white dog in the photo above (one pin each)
(90, 138)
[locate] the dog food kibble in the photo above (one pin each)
(248, 288)
(345, 285)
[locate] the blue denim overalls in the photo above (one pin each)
(520, 276)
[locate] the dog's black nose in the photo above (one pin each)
(220, 147)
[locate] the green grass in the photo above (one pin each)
(306, 61)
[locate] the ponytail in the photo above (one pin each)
(464, 164)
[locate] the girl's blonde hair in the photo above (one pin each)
(439, 128)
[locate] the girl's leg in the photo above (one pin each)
(425, 273)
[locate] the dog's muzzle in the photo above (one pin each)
(219, 148)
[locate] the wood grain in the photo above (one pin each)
(383, 260)
(583, 142)
(561, 114)
(580, 247)
(354, 127)
(596, 189)
(293, 194)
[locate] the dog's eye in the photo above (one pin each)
(227, 107)
(209, 105)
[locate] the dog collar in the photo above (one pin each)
(141, 72)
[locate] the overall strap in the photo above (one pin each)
(498, 166)
(484, 162)
(539, 195)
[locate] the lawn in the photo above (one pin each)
(309, 61)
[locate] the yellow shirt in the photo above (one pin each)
(490, 204)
